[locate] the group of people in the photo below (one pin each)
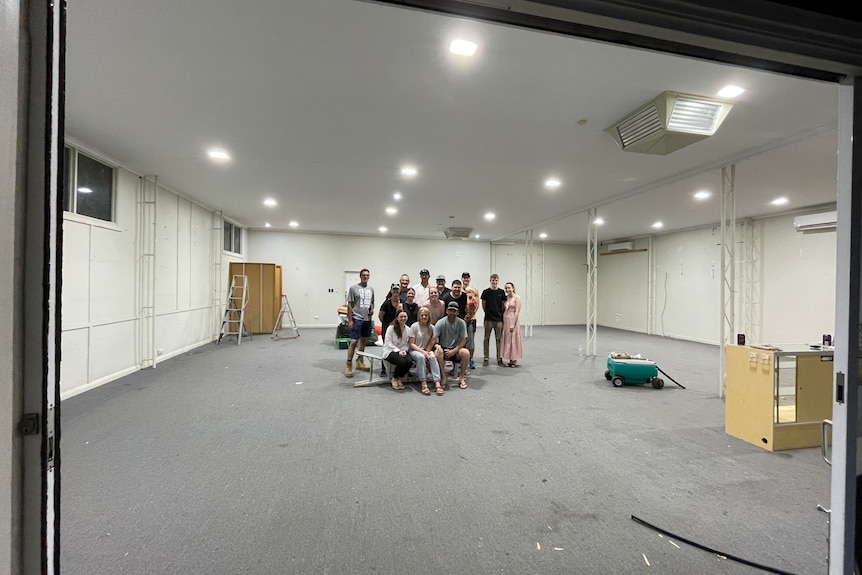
(427, 325)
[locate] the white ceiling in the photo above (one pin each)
(321, 101)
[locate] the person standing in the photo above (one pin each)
(512, 344)
(422, 288)
(470, 319)
(360, 306)
(492, 305)
(436, 307)
(411, 307)
(458, 297)
(442, 290)
(403, 284)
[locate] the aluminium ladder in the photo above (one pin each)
(285, 312)
(234, 314)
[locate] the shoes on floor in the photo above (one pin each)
(360, 365)
(348, 369)
(382, 372)
(472, 365)
(485, 361)
(500, 361)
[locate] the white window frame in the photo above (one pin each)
(73, 185)
(236, 230)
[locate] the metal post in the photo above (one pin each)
(750, 287)
(728, 268)
(592, 280)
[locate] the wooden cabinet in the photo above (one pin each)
(264, 294)
(776, 399)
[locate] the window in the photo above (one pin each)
(232, 238)
(88, 186)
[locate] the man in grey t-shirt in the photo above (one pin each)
(360, 306)
(451, 333)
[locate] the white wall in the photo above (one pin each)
(105, 288)
(623, 284)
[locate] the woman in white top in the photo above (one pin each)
(396, 345)
(423, 347)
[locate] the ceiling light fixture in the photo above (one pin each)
(85, 191)
(270, 202)
(543, 235)
(490, 216)
(702, 195)
(552, 183)
(267, 225)
(598, 221)
(730, 91)
(218, 154)
(383, 229)
(463, 47)
(658, 225)
(779, 201)
(409, 171)
(391, 210)
(397, 195)
(293, 224)
(476, 236)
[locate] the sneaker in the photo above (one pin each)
(360, 365)
(499, 361)
(348, 369)
(485, 361)
(472, 365)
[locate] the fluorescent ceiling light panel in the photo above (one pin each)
(730, 92)
(463, 47)
(270, 202)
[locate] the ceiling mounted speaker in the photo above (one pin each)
(460, 233)
(669, 122)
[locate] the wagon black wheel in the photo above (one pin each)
(617, 381)
(658, 383)
(608, 374)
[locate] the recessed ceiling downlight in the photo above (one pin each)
(730, 91)
(552, 183)
(391, 210)
(658, 225)
(218, 154)
(463, 47)
(543, 235)
(267, 225)
(409, 171)
(702, 195)
(383, 229)
(779, 201)
(490, 216)
(598, 221)
(397, 195)
(293, 224)
(270, 202)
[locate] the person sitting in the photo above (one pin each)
(411, 307)
(436, 308)
(396, 346)
(451, 333)
(423, 350)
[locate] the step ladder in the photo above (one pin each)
(280, 323)
(233, 322)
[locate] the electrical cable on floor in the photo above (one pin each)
(710, 550)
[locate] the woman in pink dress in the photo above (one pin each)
(512, 348)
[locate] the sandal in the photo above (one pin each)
(439, 389)
(462, 384)
(395, 384)
(513, 364)
(425, 390)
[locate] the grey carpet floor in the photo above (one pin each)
(262, 458)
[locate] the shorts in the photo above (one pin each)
(471, 334)
(456, 359)
(361, 329)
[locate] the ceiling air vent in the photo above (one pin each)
(462, 233)
(670, 122)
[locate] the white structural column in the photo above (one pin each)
(751, 283)
(217, 298)
(651, 287)
(728, 267)
(592, 280)
(528, 286)
(146, 248)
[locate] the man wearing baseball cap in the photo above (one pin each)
(422, 288)
(442, 290)
(451, 333)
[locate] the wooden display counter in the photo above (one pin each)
(776, 399)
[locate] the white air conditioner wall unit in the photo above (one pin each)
(811, 222)
(621, 247)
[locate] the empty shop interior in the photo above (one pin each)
(270, 460)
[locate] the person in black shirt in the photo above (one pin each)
(411, 307)
(442, 290)
(457, 296)
(492, 305)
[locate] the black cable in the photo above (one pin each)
(705, 548)
(670, 378)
